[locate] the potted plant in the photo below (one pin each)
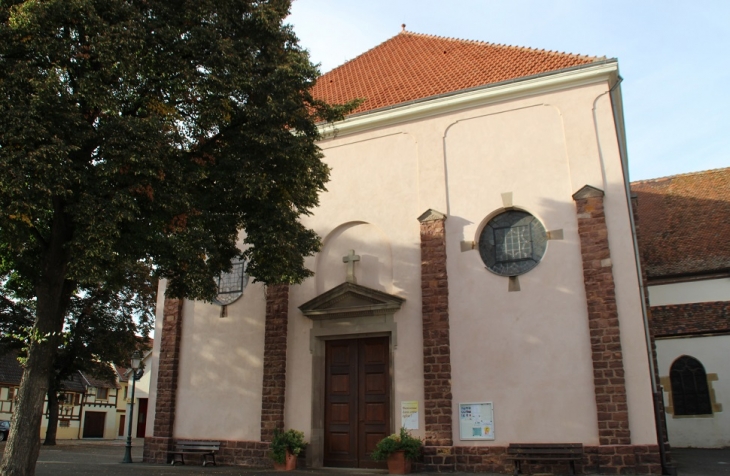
(285, 447)
(398, 449)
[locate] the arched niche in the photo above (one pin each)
(375, 268)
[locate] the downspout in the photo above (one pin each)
(667, 467)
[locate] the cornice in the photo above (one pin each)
(544, 83)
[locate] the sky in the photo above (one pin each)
(674, 57)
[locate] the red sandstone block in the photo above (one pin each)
(649, 458)
(645, 469)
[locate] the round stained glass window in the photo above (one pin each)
(512, 243)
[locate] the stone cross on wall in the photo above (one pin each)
(350, 259)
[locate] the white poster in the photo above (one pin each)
(409, 414)
(476, 421)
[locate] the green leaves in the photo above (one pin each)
(290, 440)
(402, 441)
(157, 130)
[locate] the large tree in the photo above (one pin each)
(148, 131)
(104, 326)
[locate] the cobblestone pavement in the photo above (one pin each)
(702, 462)
(89, 457)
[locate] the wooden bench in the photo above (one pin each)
(544, 452)
(206, 449)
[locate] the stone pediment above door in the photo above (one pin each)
(351, 300)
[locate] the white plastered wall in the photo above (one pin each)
(688, 292)
(699, 431)
(221, 369)
(141, 390)
(155, 358)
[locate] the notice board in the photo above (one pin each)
(476, 421)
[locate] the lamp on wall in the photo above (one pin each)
(136, 375)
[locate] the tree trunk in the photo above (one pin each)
(52, 413)
(23, 446)
(53, 292)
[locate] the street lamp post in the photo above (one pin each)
(136, 360)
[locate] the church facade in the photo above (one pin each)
(478, 282)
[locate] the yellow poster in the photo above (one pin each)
(409, 414)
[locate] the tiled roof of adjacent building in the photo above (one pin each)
(10, 370)
(413, 66)
(98, 382)
(684, 223)
(121, 373)
(75, 383)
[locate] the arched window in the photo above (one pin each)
(690, 393)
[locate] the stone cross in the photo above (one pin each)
(350, 260)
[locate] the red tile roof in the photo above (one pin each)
(684, 223)
(10, 369)
(98, 382)
(413, 66)
(11, 372)
(121, 373)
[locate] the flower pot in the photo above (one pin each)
(289, 464)
(398, 463)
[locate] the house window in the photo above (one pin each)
(64, 423)
(125, 392)
(70, 398)
(512, 243)
(690, 392)
(102, 393)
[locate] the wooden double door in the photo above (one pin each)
(357, 400)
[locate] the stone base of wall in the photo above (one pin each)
(482, 459)
(625, 459)
(618, 459)
(252, 454)
(156, 449)
(437, 459)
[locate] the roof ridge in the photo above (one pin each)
(500, 45)
(686, 174)
(408, 66)
(84, 377)
(474, 42)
